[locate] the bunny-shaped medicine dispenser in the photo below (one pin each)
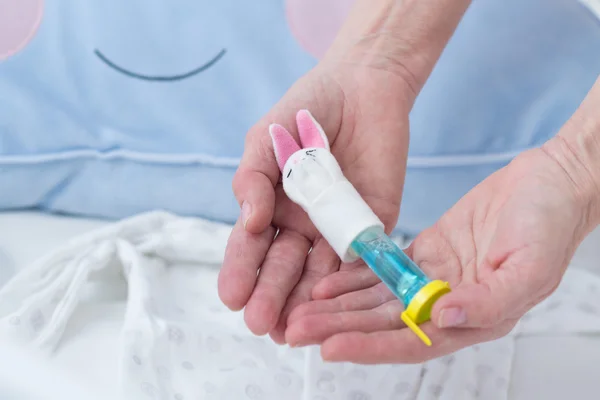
(313, 179)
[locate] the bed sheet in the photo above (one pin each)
(549, 367)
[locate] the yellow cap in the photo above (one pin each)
(419, 309)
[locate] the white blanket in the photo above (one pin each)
(179, 342)
(26, 376)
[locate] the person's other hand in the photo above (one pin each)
(503, 248)
(364, 111)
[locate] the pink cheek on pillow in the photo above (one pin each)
(19, 20)
(315, 23)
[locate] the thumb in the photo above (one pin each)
(484, 304)
(254, 183)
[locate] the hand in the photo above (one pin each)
(364, 112)
(361, 93)
(503, 248)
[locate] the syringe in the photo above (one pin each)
(402, 276)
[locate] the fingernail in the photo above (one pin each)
(246, 213)
(451, 317)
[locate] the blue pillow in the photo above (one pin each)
(119, 107)
(512, 75)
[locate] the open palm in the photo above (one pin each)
(503, 248)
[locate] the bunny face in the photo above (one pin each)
(309, 171)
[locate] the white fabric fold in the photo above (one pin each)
(36, 305)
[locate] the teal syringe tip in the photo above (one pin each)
(402, 276)
(399, 273)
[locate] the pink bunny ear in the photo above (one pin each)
(311, 133)
(283, 144)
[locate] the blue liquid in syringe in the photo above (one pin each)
(400, 274)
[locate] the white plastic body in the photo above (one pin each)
(313, 179)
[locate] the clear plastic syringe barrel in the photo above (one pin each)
(400, 274)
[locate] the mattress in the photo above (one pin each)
(544, 366)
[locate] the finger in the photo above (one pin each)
(256, 195)
(321, 262)
(314, 329)
(435, 256)
(254, 182)
(403, 346)
(244, 254)
(345, 281)
(366, 299)
(278, 275)
(485, 304)
(257, 175)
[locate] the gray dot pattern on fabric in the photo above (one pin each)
(436, 390)
(163, 372)
(587, 308)
(148, 389)
(483, 371)
(187, 365)
(358, 395)
(237, 338)
(209, 387)
(402, 387)
(448, 360)
(326, 382)
(501, 383)
(553, 305)
(326, 386)
(37, 321)
(176, 335)
(283, 379)
(473, 391)
(254, 392)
